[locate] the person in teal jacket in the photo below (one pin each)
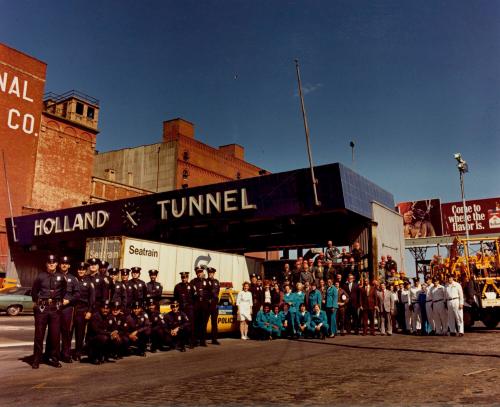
(289, 298)
(332, 304)
(300, 295)
(275, 320)
(303, 319)
(318, 323)
(262, 323)
(286, 321)
(314, 296)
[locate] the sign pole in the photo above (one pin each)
(306, 128)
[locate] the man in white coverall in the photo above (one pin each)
(455, 304)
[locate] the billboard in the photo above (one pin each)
(483, 217)
(421, 218)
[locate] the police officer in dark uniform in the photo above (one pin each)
(138, 328)
(184, 295)
(99, 334)
(178, 327)
(117, 322)
(47, 292)
(117, 290)
(98, 281)
(154, 288)
(129, 285)
(70, 300)
(158, 326)
(201, 305)
(140, 290)
(214, 303)
(103, 271)
(84, 307)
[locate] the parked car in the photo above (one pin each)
(16, 300)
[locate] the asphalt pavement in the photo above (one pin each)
(349, 370)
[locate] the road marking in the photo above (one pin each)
(15, 344)
(16, 328)
(44, 386)
(479, 371)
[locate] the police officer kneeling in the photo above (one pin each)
(99, 335)
(178, 327)
(139, 329)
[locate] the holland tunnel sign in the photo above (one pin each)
(267, 197)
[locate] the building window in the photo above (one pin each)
(185, 156)
(185, 174)
(90, 112)
(79, 108)
(238, 175)
(110, 174)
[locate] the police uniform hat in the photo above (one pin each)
(125, 272)
(136, 304)
(184, 274)
(116, 305)
(259, 278)
(135, 269)
(64, 260)
(51, 259)
(198, 268)
(211, 270)
(274, 278)
(253, 275)
(93, 261)
(150, 301)
(103, 264)
(82, 265)
(153, 272)
(113, 271)
(174, 304)
(106, 304)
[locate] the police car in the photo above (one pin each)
(227, 321)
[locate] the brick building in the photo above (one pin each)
(47, 146)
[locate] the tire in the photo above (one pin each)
(490, 320)
(468, 318)
(14, 310)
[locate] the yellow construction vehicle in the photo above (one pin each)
(475, 263)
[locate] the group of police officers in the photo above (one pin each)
(111, 317)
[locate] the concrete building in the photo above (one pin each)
(179, 161)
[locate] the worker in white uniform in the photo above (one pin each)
(405, 300)
(455, 304)
(416, 317)
(439, 311)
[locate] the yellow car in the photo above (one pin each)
(227, 321)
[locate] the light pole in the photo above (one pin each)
(463, 167)
(351, 144)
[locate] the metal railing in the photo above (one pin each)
(56, 98)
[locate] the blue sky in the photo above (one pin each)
(410, 82)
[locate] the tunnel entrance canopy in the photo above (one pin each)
(256, 214)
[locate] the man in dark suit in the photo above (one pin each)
(352, 290)
(368, 302)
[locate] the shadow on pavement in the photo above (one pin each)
(401, 349)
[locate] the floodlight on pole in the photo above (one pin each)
(463, 167)
(352, 152)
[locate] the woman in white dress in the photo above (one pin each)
(244, 302)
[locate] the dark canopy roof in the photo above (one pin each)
(261, 213)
